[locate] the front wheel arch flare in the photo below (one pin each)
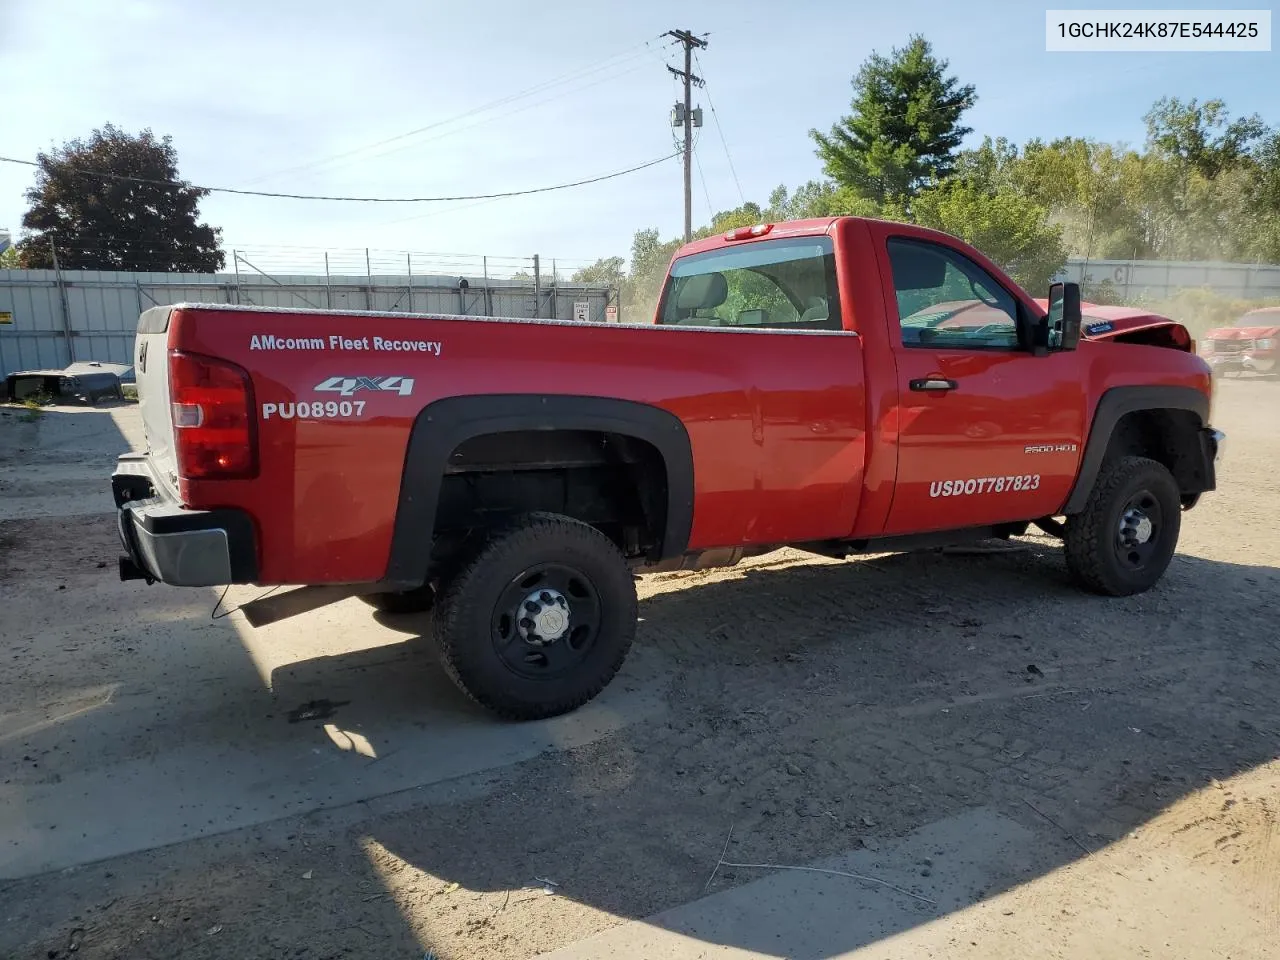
(1114, 405)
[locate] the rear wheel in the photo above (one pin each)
(1124, 539)
(539, 620)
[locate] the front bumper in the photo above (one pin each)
(1251, 362)
(164, 541)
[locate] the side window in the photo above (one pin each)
(946, 300)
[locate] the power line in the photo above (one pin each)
(665, 61)
(621, 57)
(306, 196)
(716, 117)
(711, 213)
(435, 213)
(521, 108)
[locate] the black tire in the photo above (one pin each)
(1104, 547)
(418, 600)
(487, 636)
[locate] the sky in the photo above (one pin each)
(291, 96)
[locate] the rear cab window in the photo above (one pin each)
(780, 285)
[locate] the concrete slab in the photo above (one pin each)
(1167, 890)
(794, 914)
(152, 724)
(58, 462)
(130, 718)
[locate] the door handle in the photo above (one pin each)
(934, 383)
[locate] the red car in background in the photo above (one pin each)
(1250, 345)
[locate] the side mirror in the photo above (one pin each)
(1064, 316)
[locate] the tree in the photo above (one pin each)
(1108, 200)
(1009, 227)
(9, 259)
(1200, 134)
(1264, 241)
(140, 217)
(991, 167)
(747, 215)
(648, 269)
(818, 198)
(904, 127)
(605, 272)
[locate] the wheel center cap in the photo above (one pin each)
(1142, 530)
(551, 623)
(1136, 528)
(543, 617)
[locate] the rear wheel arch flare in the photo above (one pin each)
(445, 426)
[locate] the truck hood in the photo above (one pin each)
(1128, 325)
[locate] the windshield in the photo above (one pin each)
(1259, 318)
(784, 284)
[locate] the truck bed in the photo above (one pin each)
(777, 423)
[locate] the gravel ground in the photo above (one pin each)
(814, 706)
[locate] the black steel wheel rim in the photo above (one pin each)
(1139, 530)
(514, 627)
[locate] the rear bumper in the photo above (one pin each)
(164, 541)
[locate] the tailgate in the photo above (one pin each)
(151, 369)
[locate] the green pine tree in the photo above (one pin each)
(904, 127)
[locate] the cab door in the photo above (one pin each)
(988, 432)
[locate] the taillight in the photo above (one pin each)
(213, 427)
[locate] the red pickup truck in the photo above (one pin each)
(1252, 345)
(840, 385)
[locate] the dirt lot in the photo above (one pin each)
(172, 785)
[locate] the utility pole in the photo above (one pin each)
(66, 307)
(684, 115)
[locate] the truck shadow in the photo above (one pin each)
(815, 707)
(820, 706)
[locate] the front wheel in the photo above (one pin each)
(539, 620)
(1124, 539)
